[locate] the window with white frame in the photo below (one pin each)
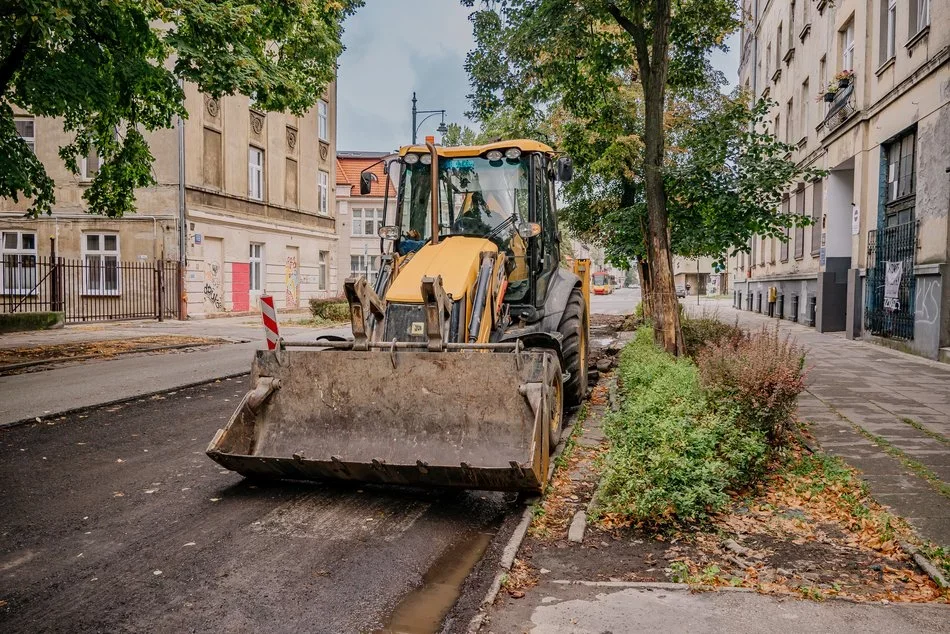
(101, 258)
(18, 262)
(847, 46)
(323, 120)
(888, 29)
(255, 173)
(366, 222)
(89, 165)
(26, 130)
(323, 192)
(256, 260)
(323, 273)
(366, 265)
(919, 16)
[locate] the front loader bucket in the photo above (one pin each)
(471, 419)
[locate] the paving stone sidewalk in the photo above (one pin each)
(886, 413)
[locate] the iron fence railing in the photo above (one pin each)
(97, 288)
(891, 316)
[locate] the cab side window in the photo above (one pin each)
(550, 250)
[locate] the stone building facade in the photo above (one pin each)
(255, 211)
(862, 89)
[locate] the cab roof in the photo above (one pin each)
(525, 145)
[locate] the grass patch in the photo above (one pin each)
(333, 309)
(921, 428)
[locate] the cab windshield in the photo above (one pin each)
(600, 280)
(477, 197)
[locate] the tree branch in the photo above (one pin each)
(637, 33)
(14, 61)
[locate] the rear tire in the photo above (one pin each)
(554, 379)
(573, 328)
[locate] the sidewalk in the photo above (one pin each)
(89, 383)
(886, 413)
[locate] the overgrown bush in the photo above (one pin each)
(672, 456)
(331, 309)
(760, 377)
(705, 330)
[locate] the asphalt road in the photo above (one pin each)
(622, 301)
(115, 520)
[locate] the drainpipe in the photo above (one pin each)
(182, 217)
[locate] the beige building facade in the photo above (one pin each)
(254, 214)
(863, 91)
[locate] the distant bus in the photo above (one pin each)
(602, 283)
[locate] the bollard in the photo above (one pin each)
(269, 317)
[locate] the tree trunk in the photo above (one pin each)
(646, 289)
(666, 323)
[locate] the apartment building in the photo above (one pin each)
(254, 214)
(701, 275)
(360, 216)
(862, 89)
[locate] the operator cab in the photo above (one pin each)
(503, 192)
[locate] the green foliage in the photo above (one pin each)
(672, 456)
(699, 332)
(333, 309)
(459, 135)
(111, 70)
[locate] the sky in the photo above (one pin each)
(395, 47)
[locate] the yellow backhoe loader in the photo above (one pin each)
(465, 353)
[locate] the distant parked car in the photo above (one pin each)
(680, 290)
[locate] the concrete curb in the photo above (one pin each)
(119, 401)
(86, 357)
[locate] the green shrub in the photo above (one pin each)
(759, 378)
(699, 332)
(672, 457)
(331, 309)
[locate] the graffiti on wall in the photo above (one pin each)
(212, 289)
(927, 299)
(292, 282)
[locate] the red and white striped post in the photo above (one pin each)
(269, 317)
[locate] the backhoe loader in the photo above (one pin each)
(464, 355)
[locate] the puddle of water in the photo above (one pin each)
(422, 610)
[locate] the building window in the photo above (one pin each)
(778, 48)
(803, 107)
(19, 262)
(789, 123)
(901, 185)
(323, 127)
(786, 209)
(800, 228)
(101, 258)
(26, 130)
(791, 24)
(366, 222)
(256, 259)
(817, 195)
(366, 265)
(323, 274)
(768, 62)
(323, 192)
(888, 29)
(919, 16)
(89, 165)
(255, 173)
(777, 127)
(847, 46)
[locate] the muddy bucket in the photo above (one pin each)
(471, 419)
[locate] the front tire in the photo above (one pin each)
(574, 328)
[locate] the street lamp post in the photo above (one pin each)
(442, 129)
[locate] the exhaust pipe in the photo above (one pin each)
(435, 188)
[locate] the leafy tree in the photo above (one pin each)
(112, 70)
(583, 54)
(459, 135)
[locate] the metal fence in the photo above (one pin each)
(97, 288)
(894, 316)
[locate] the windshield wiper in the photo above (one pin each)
(494, 232)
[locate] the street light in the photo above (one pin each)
(442, 129)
